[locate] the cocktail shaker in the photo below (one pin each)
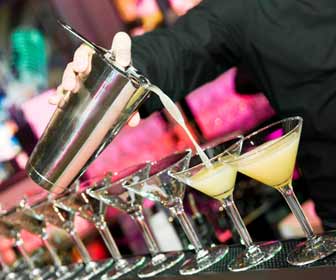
(87, 121)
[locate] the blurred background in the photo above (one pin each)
(33, 53)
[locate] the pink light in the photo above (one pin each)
(218, 109)
(275, 134)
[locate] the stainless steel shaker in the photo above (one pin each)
(87, 121)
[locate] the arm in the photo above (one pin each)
(202, 44)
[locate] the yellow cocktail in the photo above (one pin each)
(272, 162)
(217, 181)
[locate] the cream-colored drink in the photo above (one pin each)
(217, 181)
(273, 162)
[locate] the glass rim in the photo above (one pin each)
(90, 183)
(277, 140)
(137, 167)
(187, 152)
(240, 139)
(221, 140)
(42, 203)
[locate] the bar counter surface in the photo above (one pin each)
(274, 269)
(324, 273)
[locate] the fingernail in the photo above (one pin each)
(134, 121)
(123, 57)
(53, 100)
(81, 63)
(69, 84)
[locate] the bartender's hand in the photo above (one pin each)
(80, 67)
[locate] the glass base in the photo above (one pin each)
(67, 272)
(203, 260)
(93, 269)
(160, 263)
(123, 267)
(22, 275)
(39, 273)
(10, 276)
(254, 256)
(313, 250)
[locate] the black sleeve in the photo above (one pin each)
(201, 45)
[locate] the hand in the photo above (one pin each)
(80, 68)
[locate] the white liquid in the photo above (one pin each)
(177, 116)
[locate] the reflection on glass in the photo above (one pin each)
(115, 195)
(268, 155)
(93, 210)
(6, 271)
(218, 182)
(24, 217)
(10, 231)
(65, 220)
(169, 192)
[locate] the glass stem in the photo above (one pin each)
(81, 247)
(24, 254)
(152, 246)
(56, 260)
(290, 197)
(105, 233)
(233, 213)
(179, 213)
(5, 267)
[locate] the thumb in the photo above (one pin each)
(121, 48)
(134, 120)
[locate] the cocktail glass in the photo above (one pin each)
(218, 181)
(64, 219)
(94, 211)
(169, 192)
(24, 217)
(5, 269)
(7, 273)
(115, 195)
(268, 156)
(10, 231)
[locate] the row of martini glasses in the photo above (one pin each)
(267, 155)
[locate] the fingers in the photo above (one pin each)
(121, 47)
(69, 79)
(74, 72)
(134, 120)
(82, 60)
(56, 98)
(78, 69)
(60, 97)
(81, 66)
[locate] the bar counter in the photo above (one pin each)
(274, 269)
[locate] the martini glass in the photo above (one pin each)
(218, 182)
(6, 272)
(94, 211)
(5, 269)
(10, 231)
(26, 218)
(268, 156)
(169, 192)
(115, 195)
(65, 220)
